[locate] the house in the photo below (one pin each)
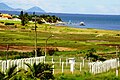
(5, 16)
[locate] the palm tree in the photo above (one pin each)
(10, 73)
(2, 75)
(41, 71)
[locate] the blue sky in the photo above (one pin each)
(69, 6)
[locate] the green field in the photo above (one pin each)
(69, 41)
(63, 36)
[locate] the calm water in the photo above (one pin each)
(109, 22)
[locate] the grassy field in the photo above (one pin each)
(63, 37)
(69, 41)
(66, 37)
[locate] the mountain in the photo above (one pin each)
(5, 7)
(18, 9)
(35, 9)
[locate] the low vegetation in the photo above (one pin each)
(40, 19)
(39, 71)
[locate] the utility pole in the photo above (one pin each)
(6, 55)
(46, 43)
(35, 37)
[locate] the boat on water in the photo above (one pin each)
(69, 22)
(82, 24)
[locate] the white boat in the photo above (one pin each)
(82, 24)
(69, 22)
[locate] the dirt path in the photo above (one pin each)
(30, 48)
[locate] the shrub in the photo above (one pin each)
(90, 54)
(117, 34)
(40, 22)
(40, 52)
(51, 51)
(2, 22)
(9, 23)
(15, 26)
(82, 52)
(23, 28)
(16, 55)
(102, 59)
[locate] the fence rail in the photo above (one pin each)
(99, 67)
(6, 64)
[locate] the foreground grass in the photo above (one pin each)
(85, 75)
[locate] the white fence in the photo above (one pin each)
(95, 67)
(20, 62)
(99, 67)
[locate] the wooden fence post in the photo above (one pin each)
(66, 61)
(62, 67)
(52, 60)
(53, 67)
(83, 62)
(60, 61)
(80, 66)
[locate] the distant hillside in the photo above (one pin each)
(35, 9)
(5, 7)
(18, 9)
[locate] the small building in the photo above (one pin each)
(16, 19)
(4, 16)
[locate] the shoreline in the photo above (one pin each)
(84, 27)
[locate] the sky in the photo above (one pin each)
(69, 6)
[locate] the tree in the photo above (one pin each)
(21, 17)
(41, 71)
(24, 18)
(50, 19)
(90, 54)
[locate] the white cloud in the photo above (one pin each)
(102, 9)
(107, 10)
(69, 6)
(115, 10)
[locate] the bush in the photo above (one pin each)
(15, 26)
(9, 23)
(40, 52)
(117, 34)
(16, 55)
(22, 28)
(51, 51)
(102, 59)
(2, 22)
(40, 22)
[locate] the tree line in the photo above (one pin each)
(25, 18)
